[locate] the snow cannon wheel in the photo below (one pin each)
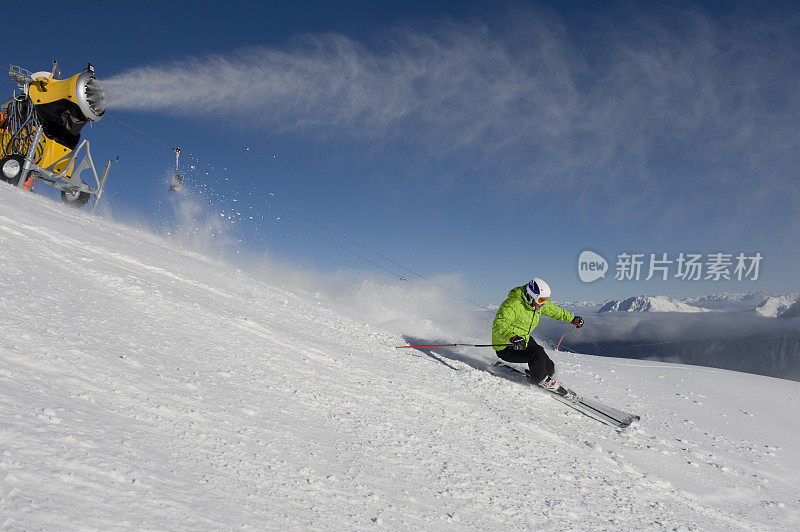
(75, 198)
(10, 168)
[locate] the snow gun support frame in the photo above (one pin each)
(73, 188)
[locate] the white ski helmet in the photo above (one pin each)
(537, 291)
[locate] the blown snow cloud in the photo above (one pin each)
(456, 79)
(527, 96)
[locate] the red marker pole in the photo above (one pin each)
(451, 345)
(562, 337)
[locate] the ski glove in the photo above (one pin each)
(577, 321)
(517, 343)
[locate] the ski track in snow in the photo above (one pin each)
(142, 386)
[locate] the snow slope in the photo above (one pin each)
(649, 304)
(142, 386)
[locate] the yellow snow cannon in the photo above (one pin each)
(40, 133)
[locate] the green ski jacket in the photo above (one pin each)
(516, 317)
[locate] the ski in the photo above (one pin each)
(592, 408)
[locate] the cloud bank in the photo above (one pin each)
(740, 341)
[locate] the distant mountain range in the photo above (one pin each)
(649, 304)
(766, 305)
(751, 332)
(729, 301)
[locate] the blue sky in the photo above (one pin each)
(495, 141)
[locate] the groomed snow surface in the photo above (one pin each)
(146, 387)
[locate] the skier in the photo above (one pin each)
(514, 321)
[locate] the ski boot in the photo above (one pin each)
(552, 384)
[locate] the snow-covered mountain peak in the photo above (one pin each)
(793, 311)
(777, 306)
(649, 304)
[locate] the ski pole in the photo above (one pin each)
(563, 335)
(452, 345)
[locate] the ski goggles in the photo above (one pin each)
(532, 300)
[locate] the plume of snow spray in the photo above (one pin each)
(517, 89)
(459, 78)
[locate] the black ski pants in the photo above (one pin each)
(538, 362)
